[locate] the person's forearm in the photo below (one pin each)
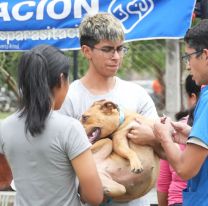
(156, 145)
(173, 155)
(92, 201)
(149, 139)
(162, 198)
(158, 149)
(82, 197)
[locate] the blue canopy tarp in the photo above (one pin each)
(24, 24)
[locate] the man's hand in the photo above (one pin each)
(168, 130)
(163, 130)
(140, 133)
(181, 132)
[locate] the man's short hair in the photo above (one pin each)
(101, 26)
(197, 36)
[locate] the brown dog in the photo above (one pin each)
(127, 171)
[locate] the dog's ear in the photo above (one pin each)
(99, 102)
(108, 107)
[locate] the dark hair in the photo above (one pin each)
(88, 40)
(197, 36)
(191, 88)
(39, 72)
(100, 26)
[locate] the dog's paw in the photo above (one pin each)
(137, 171)
(114, 190)
(136, 167)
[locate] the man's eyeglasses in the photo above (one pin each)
(186, 58)
(108, 51)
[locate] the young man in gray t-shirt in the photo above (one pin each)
(102, 43)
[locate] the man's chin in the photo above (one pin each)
(113, 70)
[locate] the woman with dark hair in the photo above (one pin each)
(45, 149)
(192, 93)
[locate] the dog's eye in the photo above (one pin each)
(84, 118)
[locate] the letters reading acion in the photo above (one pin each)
(26, 10)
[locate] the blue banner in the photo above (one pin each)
(27, 23)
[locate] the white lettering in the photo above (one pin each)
(143, 7)
(19, 36)
(16, 11)
(83, 3)
(66, 9)
(49, 33)
(55, 9)
(40, 9)
(4, 12)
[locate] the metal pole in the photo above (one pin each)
(75, 64)
(173, 78)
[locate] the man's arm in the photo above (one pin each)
(162, 198)
(187, 163)
(142, 134)
(90, 187)
(163, 183)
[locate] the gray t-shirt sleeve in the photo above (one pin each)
(76, 141)
(147, 106)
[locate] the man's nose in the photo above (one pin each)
(116, 55)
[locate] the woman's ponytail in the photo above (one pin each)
(36, 80)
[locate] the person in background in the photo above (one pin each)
(169, 185)
(192, 163)
(158, 95)
(157, 87)
(45, 149)
(102, 43)
(192, 93)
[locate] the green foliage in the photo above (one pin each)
(3, 115)
(10, 64)
(142, 57)
(70, 55)
(145, 57)
(82, 63)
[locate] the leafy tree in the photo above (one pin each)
(146, 57)
(142, 57)
(8, 64)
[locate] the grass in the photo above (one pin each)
(4, 114)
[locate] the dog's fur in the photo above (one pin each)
(5, 173)
(127, 171)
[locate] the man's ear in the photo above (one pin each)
(206, 53)
(87, 51)
(61, 81)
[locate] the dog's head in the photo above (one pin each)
(100, 120)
